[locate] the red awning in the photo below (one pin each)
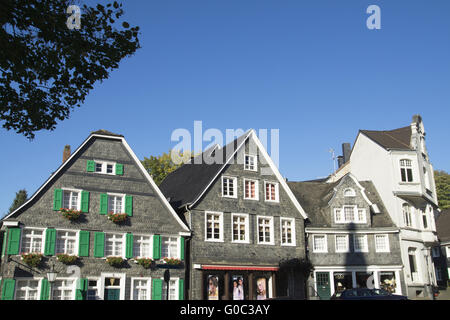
(250, 268)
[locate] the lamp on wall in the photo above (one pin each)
(51, 277)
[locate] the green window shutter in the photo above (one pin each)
(90, 166)
(14, 241)
(83, 247)
(129, 205)
(8, 289)
(45, 289)
(80, 293)
(156, 247)
(181, 248)
(129, 246)
(5, 237)
(99, 245)
(50, 242)
(180, 289)
(103, 203)
(157, 289)
(85, 201)
(58, 199)
(119, 169)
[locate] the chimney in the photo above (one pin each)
(340, 161)
(66, 153)
(346, 150)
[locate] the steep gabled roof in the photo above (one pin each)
(105, 135)
(443, 225)
(186, 185)
(392, 139)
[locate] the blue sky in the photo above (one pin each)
(311, 69)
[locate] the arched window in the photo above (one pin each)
(407, 215)
(406, 170)
(349, 192)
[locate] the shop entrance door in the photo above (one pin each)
(323, 285)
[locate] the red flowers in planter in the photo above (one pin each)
(66, 259)
(117, 217)
(145, 262)
(70, 214)
(172, 261)
(32, 259)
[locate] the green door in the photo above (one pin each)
(112, 294)
(323, 285)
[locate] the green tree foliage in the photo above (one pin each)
(47, 69)
(21, 197)
(160, 166)
(442, 180)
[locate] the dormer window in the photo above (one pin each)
(406, 170)
(349, 192)
(350, 214)
(250, 162)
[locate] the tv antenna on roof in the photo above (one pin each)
(333, 157)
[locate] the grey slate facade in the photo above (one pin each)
(226, 258)
(346, 219)
(150, 222)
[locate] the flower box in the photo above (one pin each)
(70, 214)
(115, 261)
(172, 261)
(145, 262)
(32, 259)
(66, 259)
(117, 217)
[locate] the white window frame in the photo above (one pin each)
(409, 214)
(271, 230)
(293, 234)
(135, 240)
(234, 180)
(22, 236)
(349, 192)
(246, 229)
(404, 166)
(172, 239)
(256, 198)
(72, 288)
(101, 288)
(366, 246)
(386, 241)
(70, 201)
(108, 234)
(104, 167)
(148, 287)
(27, 290)
(355, 219)
(277, 193)
(177, 286)
(118, 195)
(316, 250)
(347, 241)
(220, 214)
(76, 245)
(96, 287)
(255, 162)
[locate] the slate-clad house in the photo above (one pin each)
(441, 252)
(351, 239)
(104, 180)
(244, 220)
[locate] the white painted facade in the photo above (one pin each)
(370, 161)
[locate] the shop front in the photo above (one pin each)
(238, 282)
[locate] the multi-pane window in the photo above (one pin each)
(115, 204)
(169, 247)
(287, 231)
(342, 243)
(71, 199)
(27, 289)
(350, 214)
(104, 167)
(360, 243)
(114, 244)
(213, 226)
(93, 290)
(141, 289)
(142, 247)
(32, 240)
(250, 162)
(240, 227)
(265, 230)
(349, 192)
(229, 187)
(172, 290)
(407, 215)
(338, 216)
(424, 219)
(361, 215)
(66, 242)
(381, 243)
(271, 191)
(406, 170)
(250, 189)
(320, 243)
(63, 289)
